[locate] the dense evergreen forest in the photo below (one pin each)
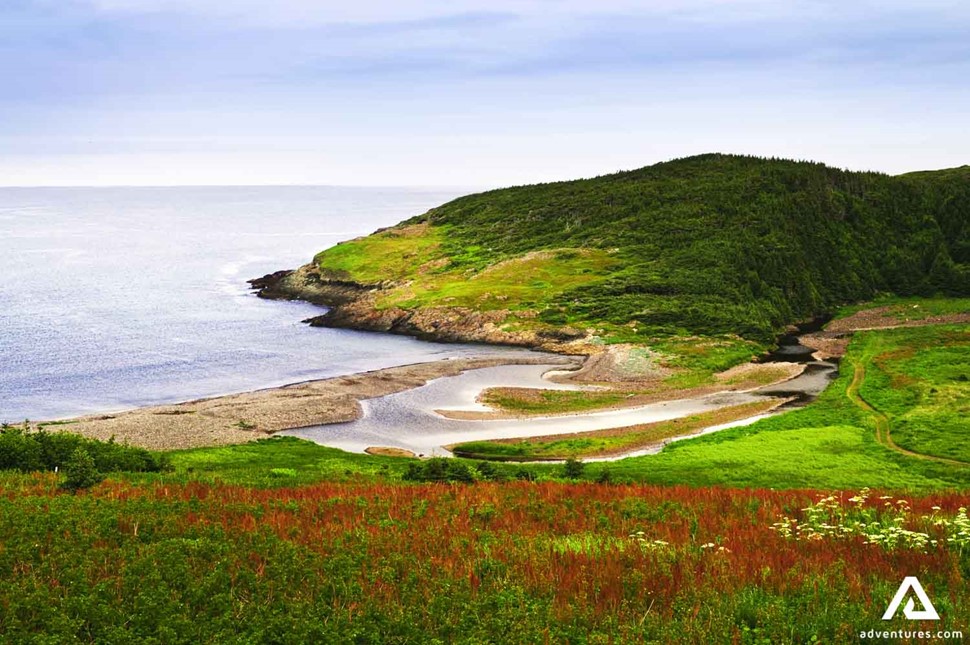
(719, 243)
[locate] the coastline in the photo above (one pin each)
(248, 416)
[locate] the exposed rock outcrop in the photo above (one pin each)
(353, 305)
(307, 284)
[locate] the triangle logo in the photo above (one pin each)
(911, 584)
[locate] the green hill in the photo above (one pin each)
(713, 245)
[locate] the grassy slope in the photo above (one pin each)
(911, 308)
(702, 259)
(281, 461)
(414, 258)
(922, 381)
(387, 255)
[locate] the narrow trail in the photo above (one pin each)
(883, 434)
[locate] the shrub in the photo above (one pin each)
(488, 471)
(573, 468)
(438, 469)
(81, 472)
(18, 451)
(26, 451)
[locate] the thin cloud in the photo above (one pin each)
(363, 82)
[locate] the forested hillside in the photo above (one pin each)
(727, 244)
(722, 246)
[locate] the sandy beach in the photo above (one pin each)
(247, 416)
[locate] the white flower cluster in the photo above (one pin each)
(829, 518)
(719, 549)
(645, 542)
(956, 529)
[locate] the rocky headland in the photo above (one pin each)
(353, 305)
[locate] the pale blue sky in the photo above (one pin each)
(470, 93)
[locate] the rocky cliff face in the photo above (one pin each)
(352, 305)
(306, 284)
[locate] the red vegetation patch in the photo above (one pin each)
(567, 547)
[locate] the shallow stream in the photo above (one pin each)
(408, 419)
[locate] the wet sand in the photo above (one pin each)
(238, 418)
(741, 378)
(409, 419)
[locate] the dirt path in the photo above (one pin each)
(883, 429)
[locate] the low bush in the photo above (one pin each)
(489, 471)
(29, 451)
(438, 469)
(81, 472)
(573, 468)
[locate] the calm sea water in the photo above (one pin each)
(112, 298)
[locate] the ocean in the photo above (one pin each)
(113, 298)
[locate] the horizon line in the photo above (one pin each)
(220, 185)
(487, 186)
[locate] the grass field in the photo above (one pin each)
(391, 255)
(921, 381)
(501, 286)
(512, 563)
(831, 443)
(413, 256)
(912, 308)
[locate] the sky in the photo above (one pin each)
(470, 93)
